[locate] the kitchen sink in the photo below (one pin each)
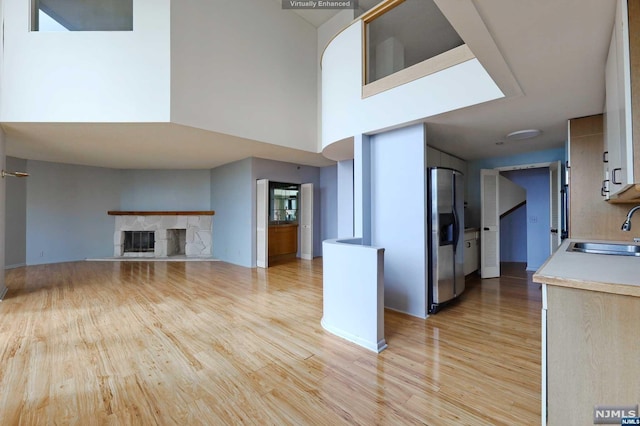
(605, 248)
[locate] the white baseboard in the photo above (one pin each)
(377, 347)
(15, 265)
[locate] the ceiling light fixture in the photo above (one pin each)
(523, 134)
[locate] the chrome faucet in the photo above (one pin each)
(626, 226)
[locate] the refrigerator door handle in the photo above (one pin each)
(456, 230)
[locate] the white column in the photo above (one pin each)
(362, 188)
(345, 198)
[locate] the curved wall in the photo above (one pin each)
(345, 113)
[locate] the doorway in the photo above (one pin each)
(540, 230)
(284, 221)
(525, 234)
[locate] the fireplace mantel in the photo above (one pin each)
(161, 213)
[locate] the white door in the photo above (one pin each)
(489, 224)
(306, 221)
(262, 223)
(555, 202)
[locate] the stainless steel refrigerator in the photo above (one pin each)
(446, 232)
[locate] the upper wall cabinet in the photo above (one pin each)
(437, 158)
(622, 154)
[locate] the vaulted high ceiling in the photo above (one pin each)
(556, 51)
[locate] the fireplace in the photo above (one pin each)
(162, 234)
(176, 242)
(139, 241)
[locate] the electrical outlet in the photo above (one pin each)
(533, 219)
(41, 254)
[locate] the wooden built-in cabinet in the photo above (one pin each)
(621, 154)
(591, 352)
(590, 217)
(283, 239)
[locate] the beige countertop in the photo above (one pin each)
(588, 271)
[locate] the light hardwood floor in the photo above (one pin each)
(211, 343)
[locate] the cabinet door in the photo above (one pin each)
(446, 160)
(459, 165)
(618, 136)
(470, 253)
(433, 157)
(591, 357)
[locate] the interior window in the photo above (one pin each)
(410, 33)
(82, 15)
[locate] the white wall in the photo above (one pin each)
(345, 199)
(166, 190)
(398, 215)
(15, 236)
(511, 194)
(231, 189)
(329, 202)
(3, 288)
(67, 211)
(87, 76)
(245, 68)
(345, 113)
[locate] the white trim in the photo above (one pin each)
(3, 293)
(524, 166)
(15, 265)
(377, 347)
(405, 312)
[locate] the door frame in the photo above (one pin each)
(546, 164)
(261, 229)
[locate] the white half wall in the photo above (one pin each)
(353, 296)
(345, 113)
(244, 68)
(87, 76)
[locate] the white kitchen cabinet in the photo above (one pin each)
(445, 160)
(459, 165)
(433, 157)
(618, 144)
(471, 251)
(437, 158)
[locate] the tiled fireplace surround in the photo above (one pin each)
(198, 232)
